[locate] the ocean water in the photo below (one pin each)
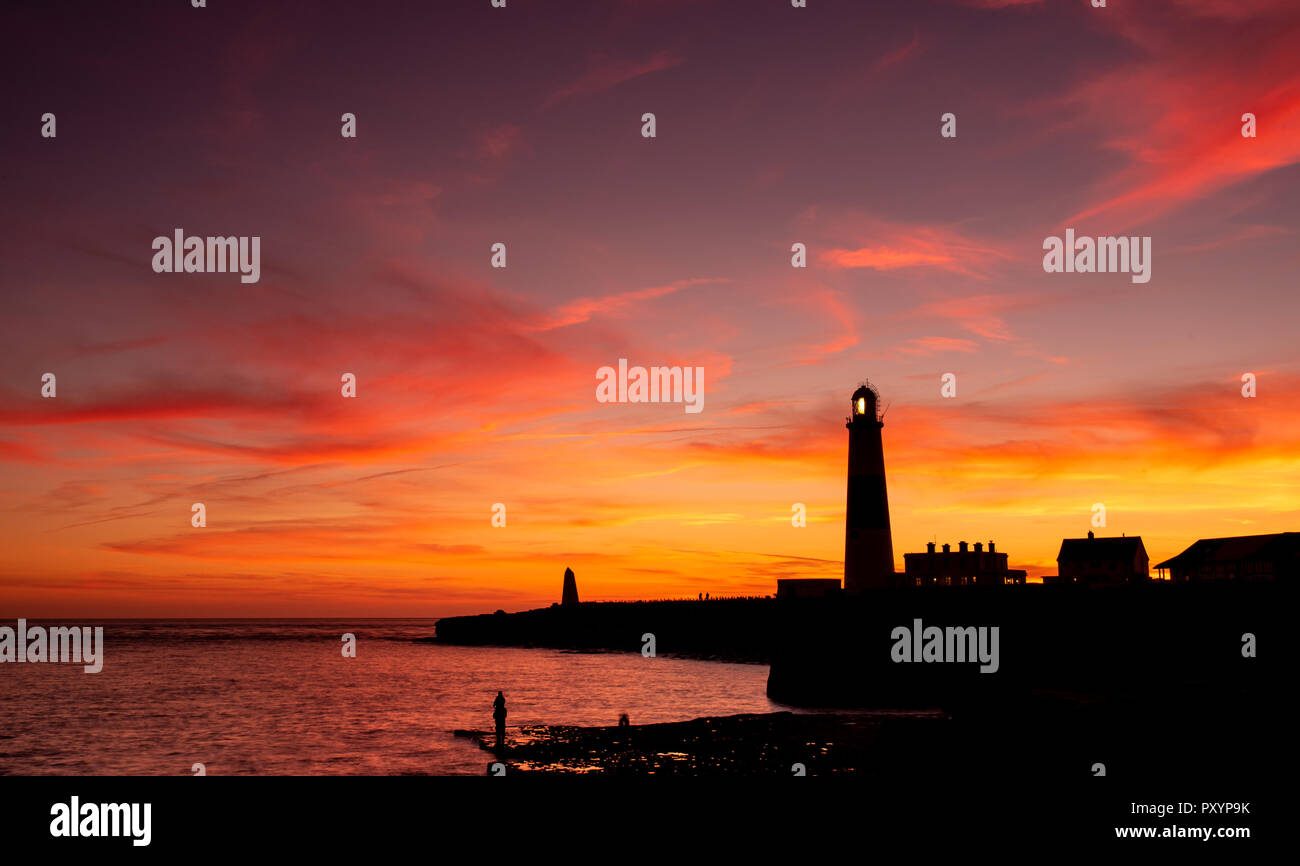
(276, 697)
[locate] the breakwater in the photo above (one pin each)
(737, 630)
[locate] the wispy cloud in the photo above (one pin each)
(605, 73)
(887, 245)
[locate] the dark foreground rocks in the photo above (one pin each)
(751, 744)
(1046, 739)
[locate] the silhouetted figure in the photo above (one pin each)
(623, 721)
(499, 716)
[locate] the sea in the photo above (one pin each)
(277, 697)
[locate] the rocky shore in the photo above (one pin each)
(1046, 738)
(783, 743)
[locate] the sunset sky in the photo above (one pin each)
(477, 385)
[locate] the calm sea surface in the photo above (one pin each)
(277, 697)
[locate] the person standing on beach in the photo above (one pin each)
(499, 716)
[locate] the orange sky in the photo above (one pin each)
(477, 386)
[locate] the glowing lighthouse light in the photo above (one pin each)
(862, 406)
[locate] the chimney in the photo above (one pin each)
(929, 548)
(961, 547)
(1090, 533)
(947, 548)
(979, 547)
(992, 549)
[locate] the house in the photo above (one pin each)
(1102, 560)
(1242, 557)
(959, 568)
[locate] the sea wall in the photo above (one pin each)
(1151, 638)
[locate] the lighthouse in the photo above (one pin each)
(868, 543)
(570, 594)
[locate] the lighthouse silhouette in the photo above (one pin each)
(570, 595)
(868, 543)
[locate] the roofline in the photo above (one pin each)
(1189, 547)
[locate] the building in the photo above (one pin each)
(1102, 560)
(959, 568)
(570, 595)
(868, 544)
(1242, 557)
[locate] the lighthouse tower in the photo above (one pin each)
(868, 543)
(570, 594)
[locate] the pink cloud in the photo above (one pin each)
(583, 309)
(979, 314)
(926, 346)
(604, 73)
(886, 246)
(884, 258)
(499, 142)
(1174, 116)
